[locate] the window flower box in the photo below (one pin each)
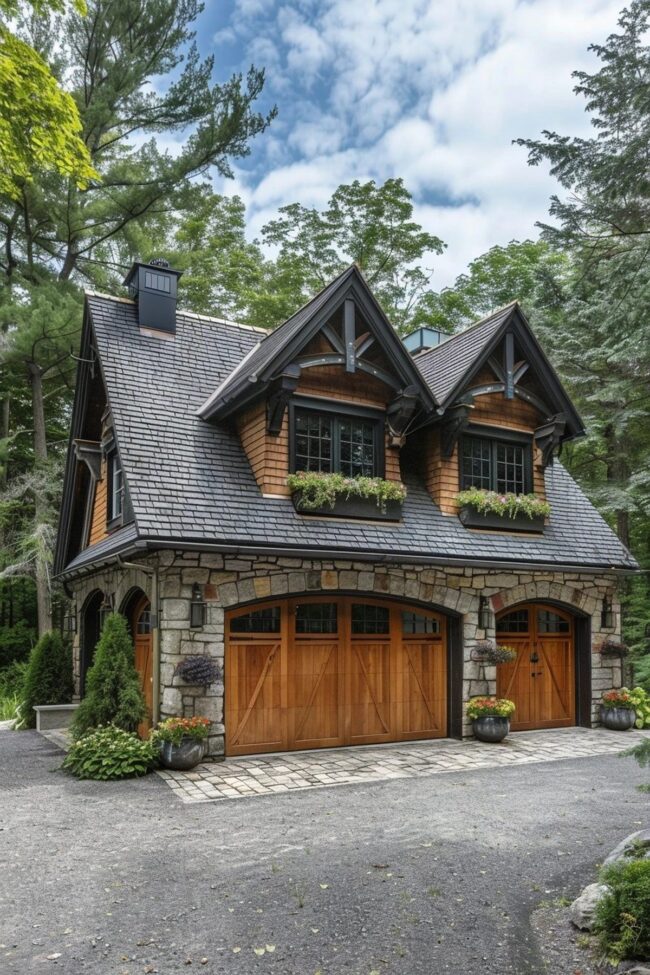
(336, 496)
(502, 512)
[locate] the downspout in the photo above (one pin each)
(155, 607)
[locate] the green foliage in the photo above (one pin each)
(40, 127)
(16, 642)
(622, 918)
(505, 505)
(489, 707)
(110, 753)
(324, 490)
(642, 672)
(49, 677)
(363, 223)
(641, 753)
(640, 701)
(113, 694)
(12, 681)
(175, 729)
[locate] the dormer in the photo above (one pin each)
(504, 413)
(332, 390)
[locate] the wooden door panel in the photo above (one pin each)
(315, 702)
(255, 718)
(424, 692)
(369, 688)
(514, 682)
(555, 683)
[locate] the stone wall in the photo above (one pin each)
(227, 582)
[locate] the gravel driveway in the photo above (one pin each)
(426, 875)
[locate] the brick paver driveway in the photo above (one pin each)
(291, 771)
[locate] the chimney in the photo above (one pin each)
(423, 339)
(153, 288)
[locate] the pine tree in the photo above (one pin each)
(49, 677)
(113, 694)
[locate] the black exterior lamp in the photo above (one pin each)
(484, 614)
(70, 621)
(106, 609)
(607, 614)
(197, 608)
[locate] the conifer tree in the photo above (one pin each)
(49, 677)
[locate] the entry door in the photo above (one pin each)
(325, 671)
(541, 681)
(143, 646)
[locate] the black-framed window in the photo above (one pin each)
(368, 618)
(258, 621)
(328, 442)
(115, 487)
(495, 464)
(316, 618)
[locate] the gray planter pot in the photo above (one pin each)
(184, 756)
(490, 728)
(617, 719)
(366, 508)
(472, 518)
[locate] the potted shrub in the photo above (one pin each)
(503, 512)
(617, 710)
(490, 717)
(182, 741)
(346, 497)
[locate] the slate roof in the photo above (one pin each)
(444, 366)
(190, 481)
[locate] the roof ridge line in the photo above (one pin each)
(181, 311)
(311, 300)
(456, 335)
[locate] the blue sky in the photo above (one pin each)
(433, 91)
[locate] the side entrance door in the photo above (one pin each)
(541, 680)
(143, 644)
(325, 671)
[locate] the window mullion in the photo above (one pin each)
(336, 446)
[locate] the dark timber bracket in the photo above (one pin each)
(349, 335)
(455, 421)
(549, 436)
(399, 414)
(90, 454)
(285, 385)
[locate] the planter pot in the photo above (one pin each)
(472, 518)
(490, 728)
(617, 719)
(366, 508)
(184, 756)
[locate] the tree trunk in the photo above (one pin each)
(43, 601)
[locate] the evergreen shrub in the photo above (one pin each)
(113, 694)
(623, 914)
(49, 677)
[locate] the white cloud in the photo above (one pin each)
(429, 90)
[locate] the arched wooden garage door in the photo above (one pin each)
(325, 671)
(541, 681)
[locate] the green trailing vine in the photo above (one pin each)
(324, 490)
(505, 505)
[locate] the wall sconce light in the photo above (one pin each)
(106, 609)
(70, 621)
(197, 607)
(484, 613)
(607, 615)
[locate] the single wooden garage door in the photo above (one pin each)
(326, 671)
(541, 680)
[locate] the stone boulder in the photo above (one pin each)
(636, 846)
(583, 909)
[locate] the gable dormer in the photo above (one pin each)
(504, 410)
(331, 390)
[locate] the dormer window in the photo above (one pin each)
(327, 441)
(494, 463)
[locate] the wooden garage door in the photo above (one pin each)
(326, 671)
(541, 680)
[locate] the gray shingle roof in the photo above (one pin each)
(190, 480)
(444, 366)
